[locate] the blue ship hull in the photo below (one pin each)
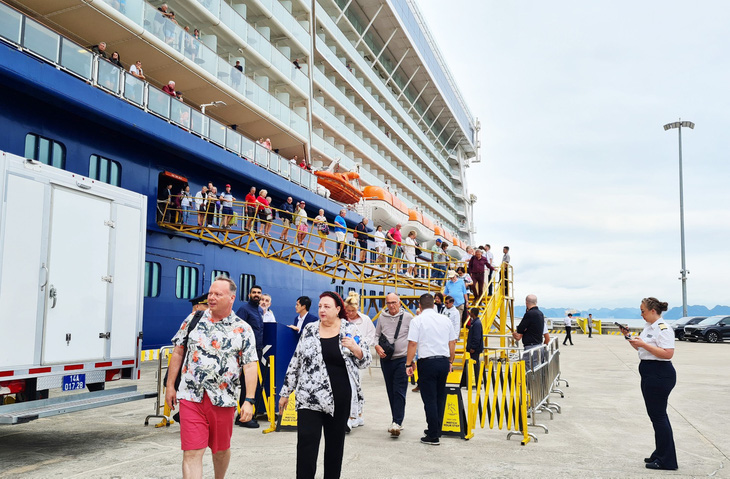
(39, 99)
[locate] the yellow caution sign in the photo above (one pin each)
(454, 423)
(288, 417)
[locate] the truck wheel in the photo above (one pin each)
(712, 337)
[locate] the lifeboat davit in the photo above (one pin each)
(387, 210)
(416, 222)
(339, 186)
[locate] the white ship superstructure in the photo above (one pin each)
(355, 81)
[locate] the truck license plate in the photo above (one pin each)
(74, 382)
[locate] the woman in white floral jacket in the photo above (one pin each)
(323, 373)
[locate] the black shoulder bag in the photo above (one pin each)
(191, 327)
(388, 347)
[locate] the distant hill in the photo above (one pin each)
(628, 313)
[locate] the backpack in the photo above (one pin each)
(191, 327)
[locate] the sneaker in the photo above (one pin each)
(394, 430)
(361, 422)
(431, 441)
(252, 424)
(352, 423)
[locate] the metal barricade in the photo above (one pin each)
(162, 411)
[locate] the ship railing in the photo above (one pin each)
(41, 42)
(263, 232)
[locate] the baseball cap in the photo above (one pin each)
(438, 240)
(451, 274)
(228, 186)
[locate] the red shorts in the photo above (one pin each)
(205, 425)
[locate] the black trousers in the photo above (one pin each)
(657, 381)
(396, 385)
(432, 374)
(309, 432)
(568, 337)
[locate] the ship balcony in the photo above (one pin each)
(68, 56)
(366, 69)
(236, 33)
(369, 151)
(368, 124)
(133, 29)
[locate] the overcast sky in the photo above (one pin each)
(577, 174)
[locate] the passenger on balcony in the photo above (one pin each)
(361, 235)
(251, 209)
(341, 230)
(394, 236)
(170, 88)
(201, 204)
(287, 210)
(380, 245)
(136, 70)
(409, 253)
(323, 229)
(263, 210)
(267, 144)
(227, 198)
(186, 202)
(116, 59)
(100, 49)
(169, 29)
(301, 223)
(296, 64)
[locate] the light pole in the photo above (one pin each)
(679, 124)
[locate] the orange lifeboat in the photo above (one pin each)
(339, 185)
(416, 222)
(387, 210)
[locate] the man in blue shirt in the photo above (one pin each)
(253, 314)
(456, 288)
(341, 230)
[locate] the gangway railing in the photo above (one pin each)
(305, 248)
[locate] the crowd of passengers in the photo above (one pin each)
(257, 214)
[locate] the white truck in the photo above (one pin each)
(71, 288)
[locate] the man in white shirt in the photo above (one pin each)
(433, 336)
(452, 313)
(568, 327)
(490, 259)
(265, 304)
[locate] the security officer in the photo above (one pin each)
(655, 345)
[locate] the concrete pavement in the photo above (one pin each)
(603, 431)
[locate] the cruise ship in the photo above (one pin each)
(353, 86)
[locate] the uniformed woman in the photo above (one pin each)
(655, 345)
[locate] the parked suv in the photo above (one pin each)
(678, 325)
(712, 329)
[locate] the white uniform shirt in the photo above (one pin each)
(432, 332)
(490, 258)
(269, 317)
(568, 321)
(455, 317)
(659, 334)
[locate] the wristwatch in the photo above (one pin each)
(250, 400)
(409, 365)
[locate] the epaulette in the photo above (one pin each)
(663, 326)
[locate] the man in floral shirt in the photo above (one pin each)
(219, 346)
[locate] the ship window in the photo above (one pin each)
(350, 290)
(186, 286)
(216, 272)
(46, 151)
(106, 170)
(151, 279)
(245, 285)
(340, 290)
